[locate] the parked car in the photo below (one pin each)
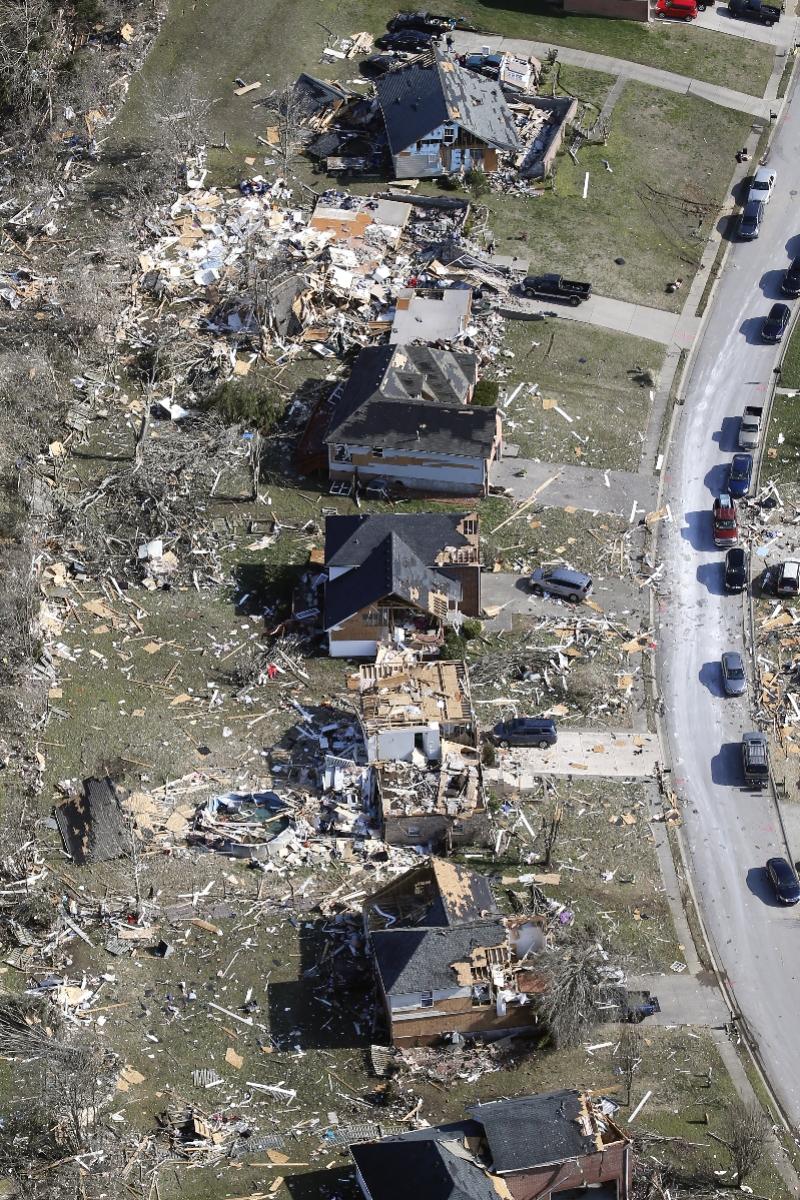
(526, 731)
(762, 184)
(678, 10)
(740, 475)
(790, 284)
(736, 569)
(750, 426)
(734, 676)
(573, 585)
(754, 10)
(405, 39)
(787, 578)
(755, 759)
(379, 64)
(750, 220)
(427, 22)
(775, 322)
(553, 287)
(726, 526)
(783, 878)
(483, 64)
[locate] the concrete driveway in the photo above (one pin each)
(718, 17)
(685, 999)
(585, 488)
(614, 598)
(652, 323)
(616, 755)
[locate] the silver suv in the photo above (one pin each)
(572, 585)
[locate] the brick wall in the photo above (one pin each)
(603, 1167)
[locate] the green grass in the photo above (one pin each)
(782, 448)
(785, 79)
(272, 42)
(588, 87)
(790, 364)
(643, 212)
(591, 374)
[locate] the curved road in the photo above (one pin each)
(730, 832)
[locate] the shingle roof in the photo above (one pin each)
(451, 894)
(435, 1159)
(412, 398)
(420, 960)
(391, 569)
(350, 539)
(534, 1130)
(416, 99)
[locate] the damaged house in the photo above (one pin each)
(431, 315)
(446, 962)
(421, 733)
(552, 1146)
(441, 119)
(399, 579)
(404, 420)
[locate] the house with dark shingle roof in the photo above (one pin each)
(393, 577)
(404, 420)
(558, 1145)
(441, 118)
(446, 961)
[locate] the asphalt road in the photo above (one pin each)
(730, 832)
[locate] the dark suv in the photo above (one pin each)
(526, 731)
(790, 284)
(736, 569)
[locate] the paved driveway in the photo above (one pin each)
(652, 323)
(579, 487)
(719, 18)
(613, 597)
(685, 999)
(617, 755)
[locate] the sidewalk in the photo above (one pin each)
(654, 76)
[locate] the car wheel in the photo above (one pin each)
(574, 302)
(769, 24)
(503, 744)
(573, 599)
(543, 745)
(537, 591)
(529, 295)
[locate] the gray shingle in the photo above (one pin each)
(419, 960)
(534, 1130)
(350, 539)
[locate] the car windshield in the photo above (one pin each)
(735, 673)
(761, 185)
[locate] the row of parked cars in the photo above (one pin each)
(687, 10)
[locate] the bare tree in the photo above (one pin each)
(629, 1056)
(177, 114)
(745, 1133)
(549, 834)
(575, 976)
(31, 45)
(289, 113)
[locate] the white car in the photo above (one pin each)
(762, 184)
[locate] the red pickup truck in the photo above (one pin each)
(726, 526)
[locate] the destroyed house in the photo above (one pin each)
(436, 893)
(420, 731)
(404, 420)
(473, 978)
(398, 579)
(441, 118)
(552, 1146)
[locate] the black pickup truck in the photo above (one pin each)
(755, 10)
(553, 287)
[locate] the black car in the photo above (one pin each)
(775, 324)
(736, 569)
(406, 39)
(379, 64)
(424, 21)
(755, 10)
(784, 879)
(790, 284)
(526, 731)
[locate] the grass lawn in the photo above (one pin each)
(655, 210)
(781, 462)
(589, 87)
(218, 41)
(790, 364)
(591, 373)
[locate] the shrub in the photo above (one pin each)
(249, 402)
(486, 393)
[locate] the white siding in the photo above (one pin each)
(352, 649)
(452, 473)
